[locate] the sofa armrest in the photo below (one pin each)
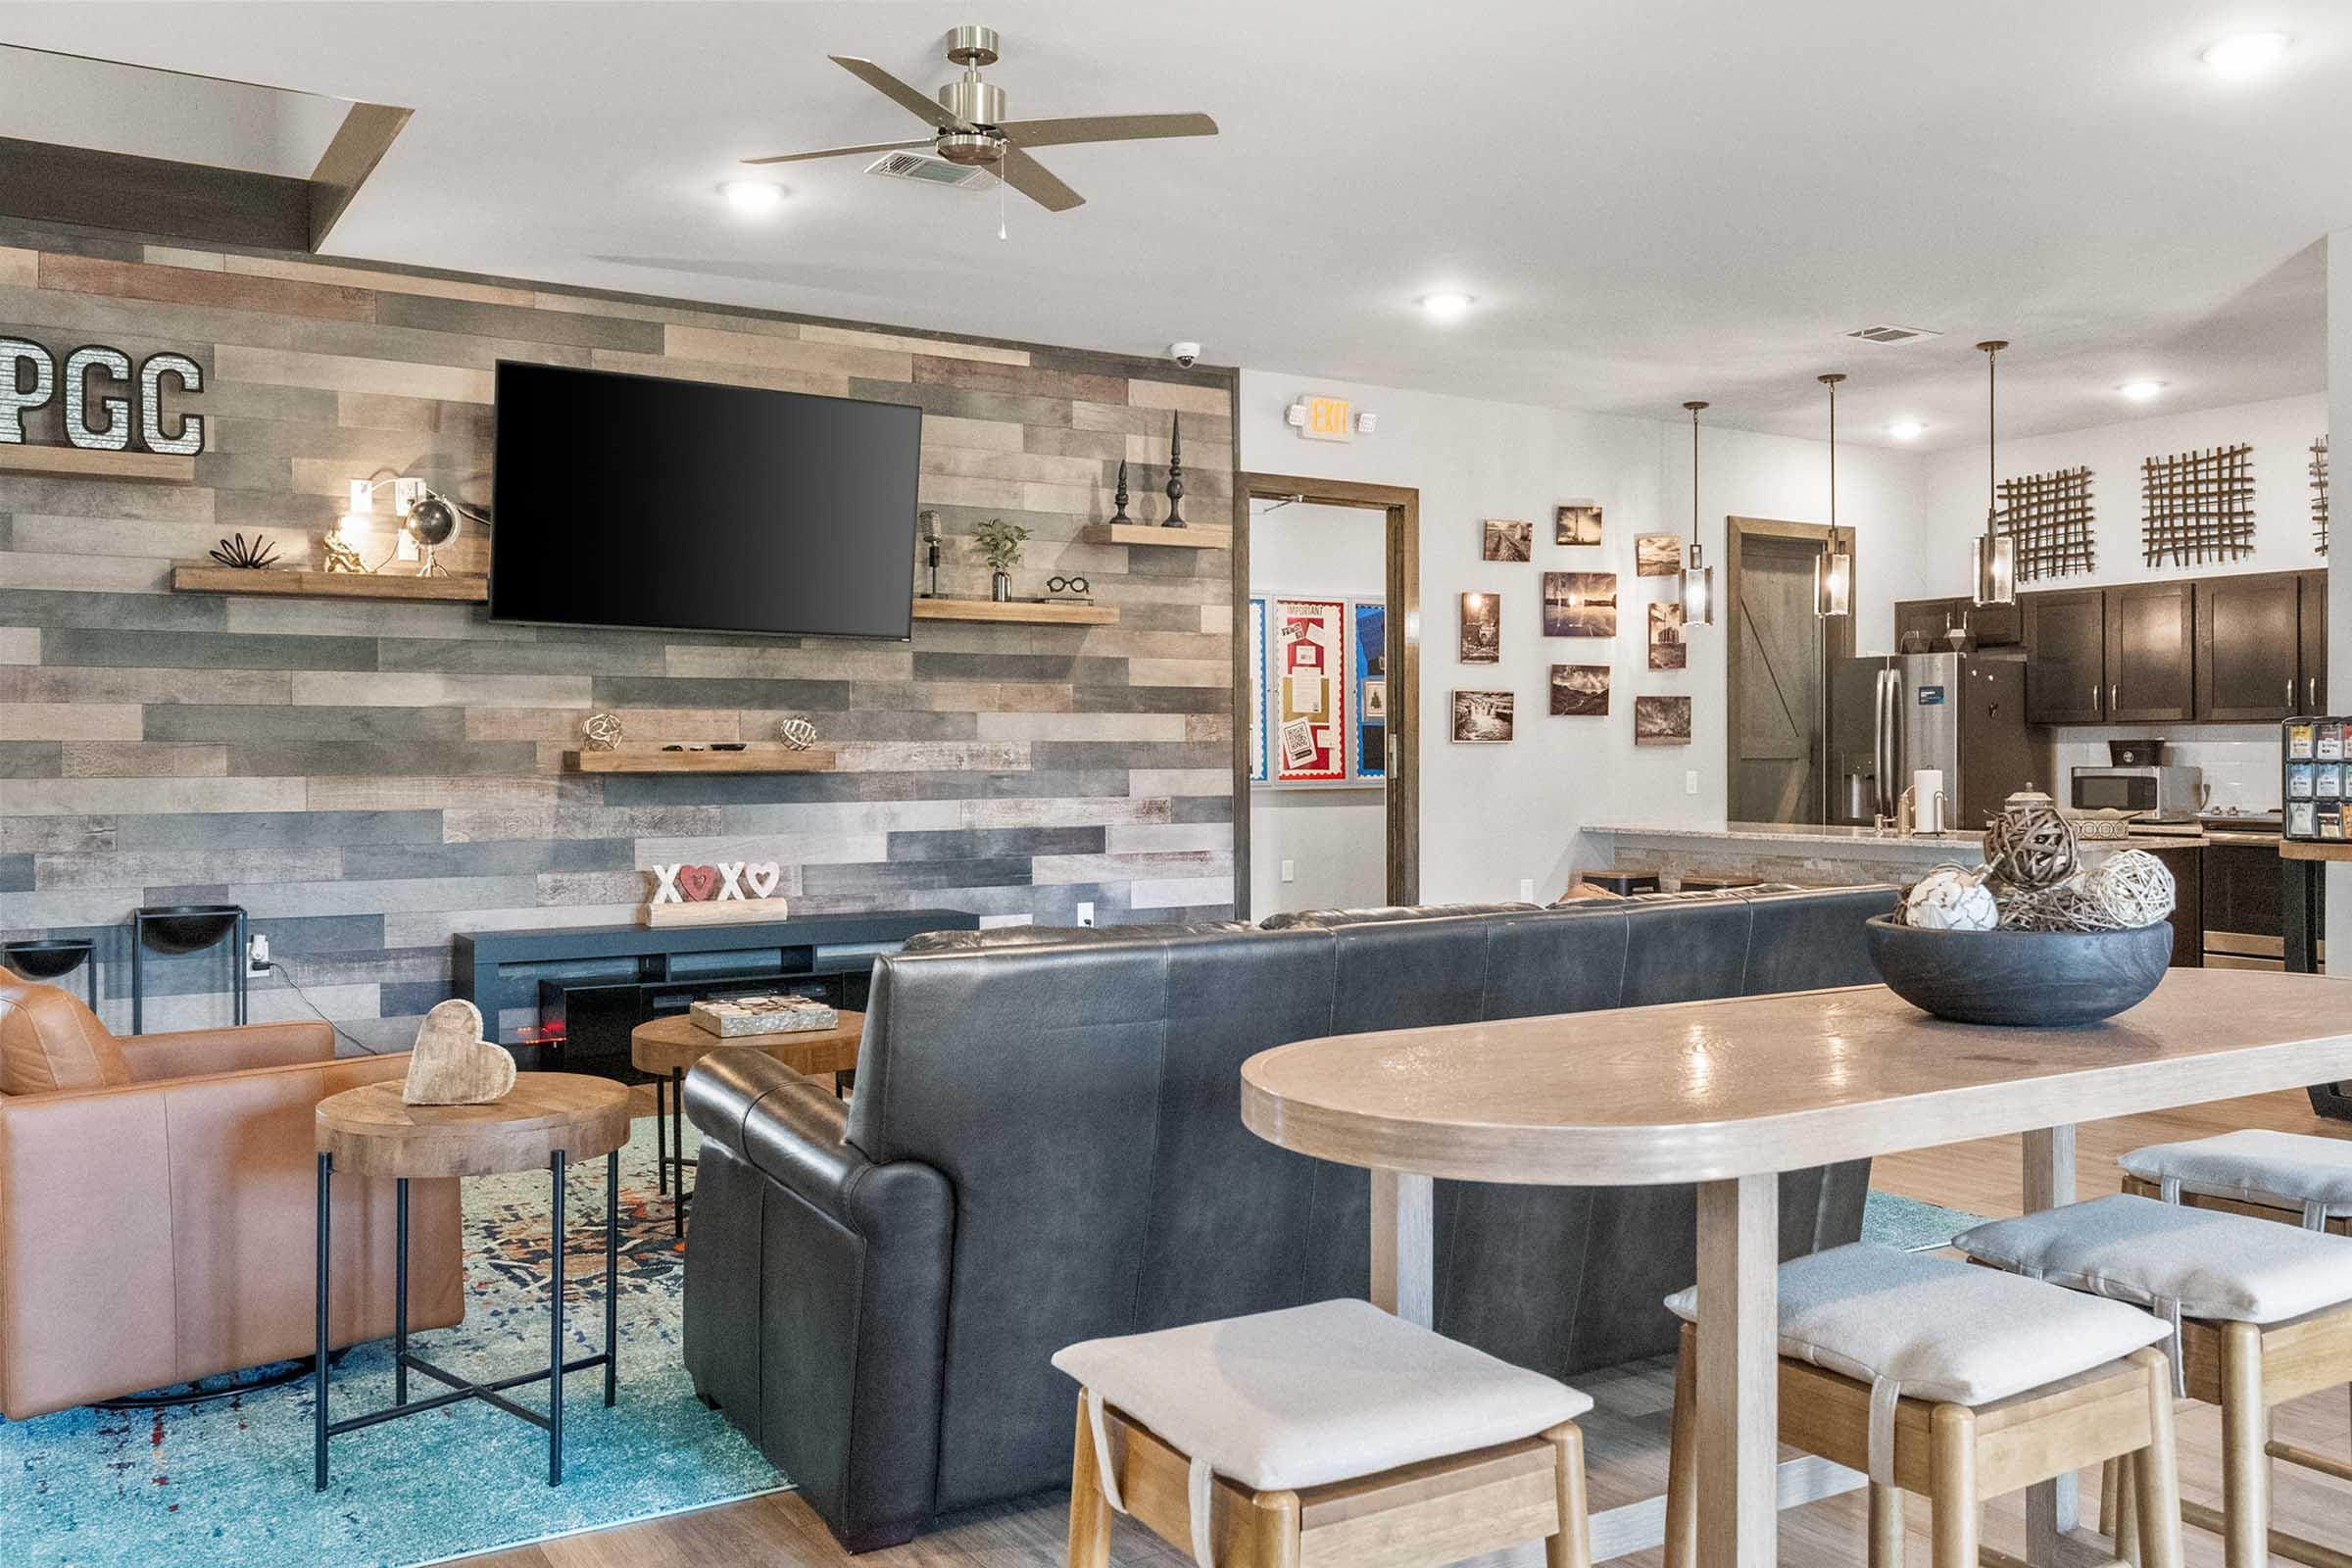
(816, 1296)
(191, 1053)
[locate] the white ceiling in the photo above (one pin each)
(1654, 201)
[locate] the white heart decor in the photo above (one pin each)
(451, 1064)
(761, 876)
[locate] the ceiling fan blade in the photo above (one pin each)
(842, 152)
(912, 99)
(1107, 127)
(1036, 181)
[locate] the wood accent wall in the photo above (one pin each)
(368, 777)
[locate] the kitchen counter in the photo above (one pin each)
(1809, 854)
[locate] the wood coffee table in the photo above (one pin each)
(548, 1120)
(669, 1048)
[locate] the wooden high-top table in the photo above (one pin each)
(1729, 1095)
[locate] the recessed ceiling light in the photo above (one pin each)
(2247, 53)
(2140, 391)
(1445, 306)
(753, 198)
(1906, 430)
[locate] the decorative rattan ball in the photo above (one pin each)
(2031, 845)
(797, 734)
(603, 731)
(1950, 898)
(2133, 888)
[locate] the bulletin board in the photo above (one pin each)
(1319, 714)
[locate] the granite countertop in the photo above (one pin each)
(1832, 838)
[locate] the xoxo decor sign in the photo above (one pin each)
(730, 890)
(105, 398)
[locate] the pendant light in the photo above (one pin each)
(1996, 553)
(1833, 568)
(1697, 578)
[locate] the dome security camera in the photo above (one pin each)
(1184, 354)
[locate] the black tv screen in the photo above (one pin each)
(634, 501)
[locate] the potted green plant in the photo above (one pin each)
(1001, 544)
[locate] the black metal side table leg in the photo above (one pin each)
(400, 1288)
(326, 1170)
(138, 977)
(677, 1145)
(555, 1328)
(611, 1278)
(662, 1135)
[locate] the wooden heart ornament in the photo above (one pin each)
(762, 878)
(699, 883)
(451, 1064)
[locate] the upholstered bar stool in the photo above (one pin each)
(1956, 1383)
(1322, 1436)
(2265, 1316)
(2290, 1176)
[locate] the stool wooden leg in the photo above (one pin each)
(2107, 1509)
(1885, 1526)
(1275, 1522)
(1572, 1545)
(2246, 1466)
(2158, 1474)
(1953, 1466)
(2127, 1508)
(1089, 1510)
(1682, 1463)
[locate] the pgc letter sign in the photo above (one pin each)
(102, 397)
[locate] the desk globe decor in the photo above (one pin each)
(2062, 945)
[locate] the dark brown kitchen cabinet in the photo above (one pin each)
(1925, 625)
(2148, 658)
(2248, 648)
(2312, 596)
(2066, 657)
(1994, 625)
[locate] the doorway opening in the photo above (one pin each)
(1326, 685)
(1777, 656)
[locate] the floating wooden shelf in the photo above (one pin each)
(144, 468)
(1205, 536)
(302, 583)
(2307, 850)
(763, 756)
(1032, 613)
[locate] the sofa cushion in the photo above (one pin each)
(2282, 1170)
(2227, 1268)
(1055, 936)
(1940, 1330)
(1323, 919)
(50, 1042)
(1311, 1395)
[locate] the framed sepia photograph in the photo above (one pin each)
(1580, 691)
(1661, 721)
(1507, 540)
(1481, 628)
(1482, 717)
(1667, 648)
(1580, 604)
(1576, 524)
(1657, 555)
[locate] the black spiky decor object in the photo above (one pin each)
(258, 556)
(1120, 495)
(1175, 472)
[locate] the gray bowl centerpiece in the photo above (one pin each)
(2045, 978)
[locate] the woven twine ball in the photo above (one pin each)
(797, 734)
(2061, 906)
(2132, 889)
(603, 731)
(2031, 845)
(1950, 898)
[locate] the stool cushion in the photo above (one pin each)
(2229, 1269)
(2286, 1170)
(1311, 1395)
(1940, 1329)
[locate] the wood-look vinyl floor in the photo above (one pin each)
(780, 1531)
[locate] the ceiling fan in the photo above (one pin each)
(970, 128)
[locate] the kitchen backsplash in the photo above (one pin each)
(2240, 762)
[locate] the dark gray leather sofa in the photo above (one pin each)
(1045, 1146)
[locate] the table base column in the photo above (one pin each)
(1738, 1370)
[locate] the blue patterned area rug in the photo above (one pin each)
(1911, 1226)
(229, 1481)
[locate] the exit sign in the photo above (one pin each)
(1324, 418)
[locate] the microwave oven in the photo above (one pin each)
(2163, 791)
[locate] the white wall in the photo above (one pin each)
(1336, 839)
(1493, 814)
(2339, 583)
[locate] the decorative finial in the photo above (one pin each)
(1120, 495)
(1175, 472)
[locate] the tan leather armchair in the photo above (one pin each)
(158, 1205)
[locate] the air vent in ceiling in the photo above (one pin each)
(1892, 334)
(929, 170)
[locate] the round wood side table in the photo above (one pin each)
(669, 1048)
(548, 1120)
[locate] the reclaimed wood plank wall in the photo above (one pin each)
(368, 778)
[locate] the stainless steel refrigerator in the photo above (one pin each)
(1961, 713)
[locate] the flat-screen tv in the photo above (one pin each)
(634, 501)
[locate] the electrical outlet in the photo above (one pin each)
(1690, 782)
(1527, 890)
(1289, 870)
(407, 545)
(256, 956)
(1086, 912)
